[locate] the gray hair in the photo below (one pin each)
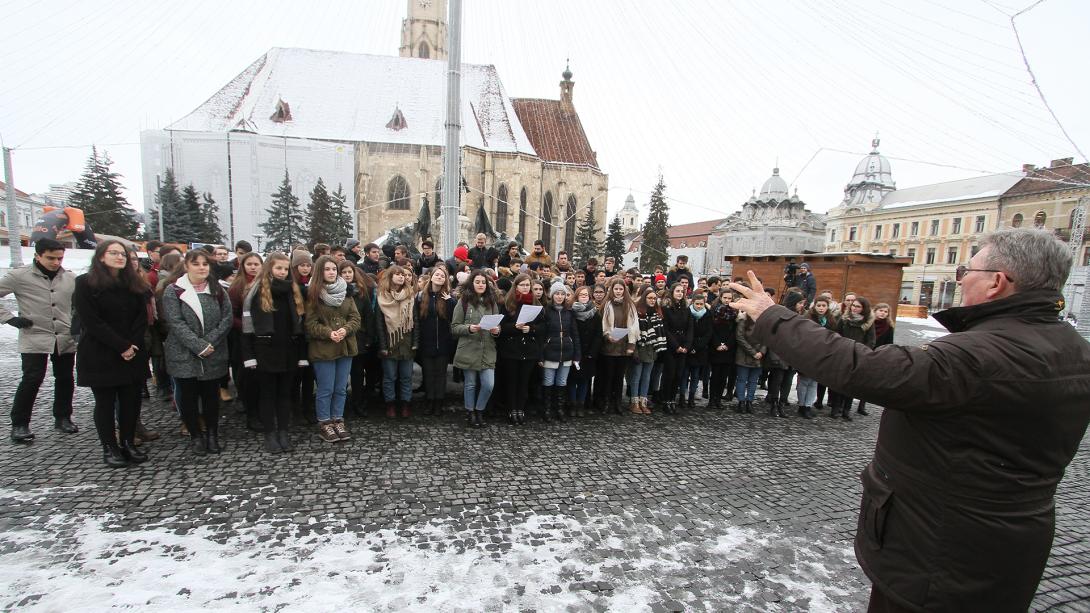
(1034, 259)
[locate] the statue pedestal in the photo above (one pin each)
(464, 230)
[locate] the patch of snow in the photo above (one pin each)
(31, 495)
(75, 260)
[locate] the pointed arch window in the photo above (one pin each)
(545, 229)
(397, 194)
(423, 51)
(522, 213)
(501, 209)
(569, 224)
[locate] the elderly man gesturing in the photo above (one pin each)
(957, 511)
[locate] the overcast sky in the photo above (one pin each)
(713, 93)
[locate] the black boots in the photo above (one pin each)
(779, 409)
(198, 445)
(111, 455)
(862, 410)
(213, 440)
(475, 419)
(272, 443)
(560, 402)
(65, 424)
(284, 439)
(21, 434)
(132, 454)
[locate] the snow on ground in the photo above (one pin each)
(76, 260)
(539, 562)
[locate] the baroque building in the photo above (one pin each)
(630, 216)
(375, 125)
(772, 221)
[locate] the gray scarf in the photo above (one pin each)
(582, 311)
(333, 293)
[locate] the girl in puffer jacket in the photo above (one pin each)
(857, 324)
(560, 350)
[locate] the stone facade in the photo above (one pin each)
(424, 30)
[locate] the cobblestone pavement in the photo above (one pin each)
(706, 511)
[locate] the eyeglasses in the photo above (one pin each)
(961, 271)
(117, 253)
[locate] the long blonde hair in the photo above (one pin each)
(264, 281)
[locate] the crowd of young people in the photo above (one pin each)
(309, 334)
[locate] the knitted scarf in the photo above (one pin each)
(697, 314)
(397, 310)
(333, 293)
(583, 311)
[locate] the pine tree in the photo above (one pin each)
(587, 244)
(342, 217)
(656, 239)
(169, 201)
(283, 223)
(210, 220)
(320, 215)
(615, 240)
(188, 220)
(98, 194)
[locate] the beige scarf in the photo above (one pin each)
(397, 308)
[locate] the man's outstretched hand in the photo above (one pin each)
(755, 299)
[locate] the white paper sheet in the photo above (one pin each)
(528, 313)
(490, 321)
(617, 334)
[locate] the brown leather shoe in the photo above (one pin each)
(327, 433)
(406, 412)
(341, 430)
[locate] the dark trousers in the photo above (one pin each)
(721, 373)
(779, 384)
(357, 377)
(198, 398)
(435, 376)
(673, 366)
(820, 396)
(303, 388)
(33, 375)
(610, 376)
(518, 384)
(275, 403)
(125, 399)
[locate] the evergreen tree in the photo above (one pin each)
(615, 240)
(283, 223)
(656, 239)
(98, 194)
(169, 201)
(587, 244)
(210, 220)
(320, 215)
(342, 217)
(188, 220)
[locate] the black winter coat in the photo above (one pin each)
(724, 330)
(678, 323)
(702, 335)
(277, 335)
(859, 331)
(958, 509)
(590, 338)
(435, 338)
(560, 336)
(513, 344)
(111, 320)
(367, 335)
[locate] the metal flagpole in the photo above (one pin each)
(452, 185)
(14, 238)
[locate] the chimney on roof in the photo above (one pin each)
(566, 86)
(1028, 168)
(1061, 162)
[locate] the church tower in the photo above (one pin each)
(630, 216)
(424, 30)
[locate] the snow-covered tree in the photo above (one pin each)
(615, 240)
(98, 194)
(656, 239)
(283, 223)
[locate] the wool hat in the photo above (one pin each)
(462, 253)
(805, 265)
(301, 256)
(350, 243)
(660, 277)
(559, 286)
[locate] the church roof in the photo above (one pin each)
(872, 179)
(557, 136)
(775, 188)
(975, 188)
(352, 97)
(630, 204)
(689, 233)
(1054, 178)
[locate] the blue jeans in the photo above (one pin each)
(555, 376)
(331, 377)
(746, 386)
(807, 391)
(401, 373)
(473, 399)
(639, 379)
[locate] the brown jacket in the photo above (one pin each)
(957, 511)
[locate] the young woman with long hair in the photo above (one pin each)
(780, 373)
(721, 349)
(678, 323)
(618, 311)
(560, 350)
(398, 337)
(518, 345)
(697, 359)
(272, 324)
(302, 266)
(198, 312)
(249, 267)
(822, 314)
(747, 358)
(365, 365)
(649, 345)
(857, 323)
(111, 357)
(476, 352)
(589, 321)
(331, 325)
(433, 308)
(883, 335)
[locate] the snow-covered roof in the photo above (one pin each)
(352, 97)
(976, 188)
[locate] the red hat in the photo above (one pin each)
(660, 277)
(462, 253)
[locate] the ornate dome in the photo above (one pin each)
(630, 204)
(872, 180)
(775, 188)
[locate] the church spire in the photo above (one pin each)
(566, 105)
(424, 30)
